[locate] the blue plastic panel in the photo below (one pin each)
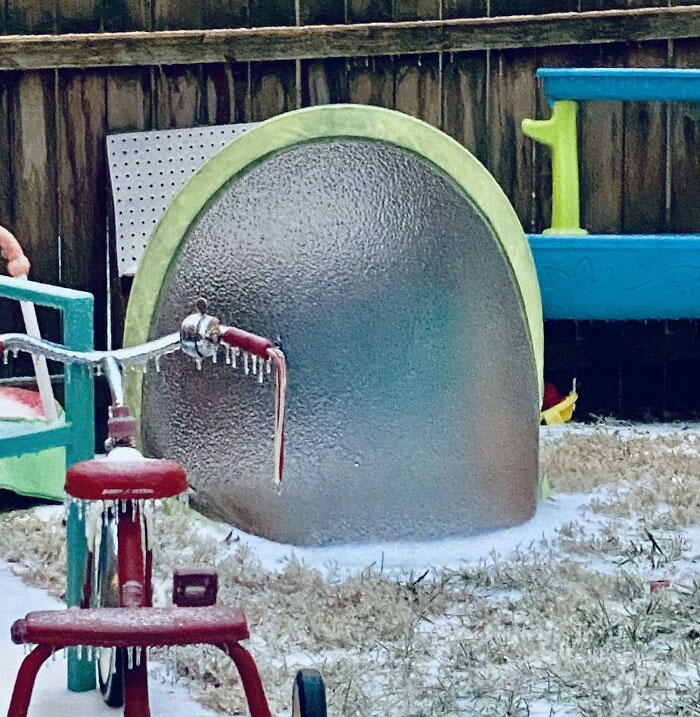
(664, 85)
(618, 277)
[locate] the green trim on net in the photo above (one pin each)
(319, 123)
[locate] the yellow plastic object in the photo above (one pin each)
(562, 411)
(560, 135)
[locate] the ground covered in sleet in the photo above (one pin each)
(564, 624)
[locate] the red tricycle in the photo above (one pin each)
(117, 623)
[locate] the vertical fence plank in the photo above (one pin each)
(601, 144)
(644, 167)
(644, 210)
(512, 83)
(82, 186)
(682, 376)
(126, 15)
(129, 107)
(684, 144)
(370, 80)
(32, 145)
(33, 150)
(323, 81)
(273, 85)
(599, 344)
(178, 88)
(6, 81)
(418, 80)
(464, 87)
(30, 16)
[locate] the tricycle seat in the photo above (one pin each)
(132, 627)
(126, 480)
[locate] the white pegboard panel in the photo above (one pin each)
(146, 170)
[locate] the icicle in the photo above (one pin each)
(113, 667)
(133, 510)
(198, 363)
(157, 364)
(15, 353)
(130, 658)
(214, 356)
(53, 654)
(261, 372)
(79, 652)
(65, 653)
(227, 350)
(5, 356)
(246, 369)
(98, 370)
(255, 364)
(138, 656)
(268, 366)
(234, 356)
(148, 523)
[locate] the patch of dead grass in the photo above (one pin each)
(568, 621)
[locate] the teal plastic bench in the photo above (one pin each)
(76, 433)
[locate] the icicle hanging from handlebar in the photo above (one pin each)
(278, 357)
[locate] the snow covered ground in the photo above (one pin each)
(53, 700)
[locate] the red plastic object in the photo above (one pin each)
(125, 480)
(656, 585)
(245, 341)
(551, 396)
(195, 587)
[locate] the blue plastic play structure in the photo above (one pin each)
(610, 276)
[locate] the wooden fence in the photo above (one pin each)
(475, 79)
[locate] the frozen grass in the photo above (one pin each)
(567, 626)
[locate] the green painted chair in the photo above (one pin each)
(75, 434)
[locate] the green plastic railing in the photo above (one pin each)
(77, 433)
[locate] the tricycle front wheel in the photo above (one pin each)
(308, 695)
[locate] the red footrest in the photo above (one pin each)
(132, 627)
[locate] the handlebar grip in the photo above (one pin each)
(245, 341)
(17, 262)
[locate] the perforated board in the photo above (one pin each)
(146, 170)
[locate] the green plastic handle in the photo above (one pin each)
(559, 134)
